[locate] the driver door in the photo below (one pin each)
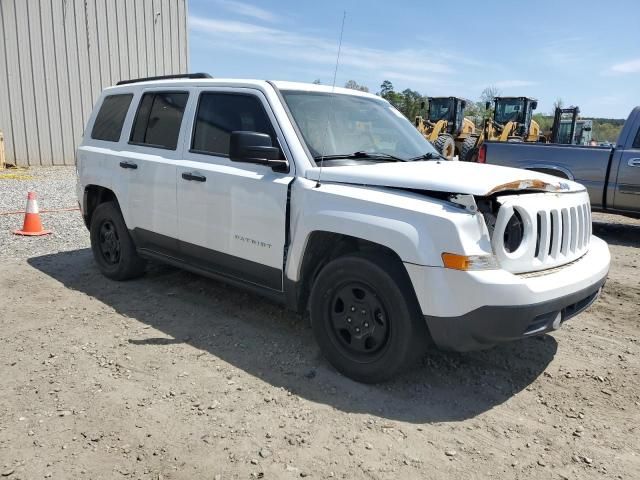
(231, 215)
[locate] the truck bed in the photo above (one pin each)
(584, 164)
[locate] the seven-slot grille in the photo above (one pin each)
(556, 230)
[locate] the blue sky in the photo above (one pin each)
(585, 52)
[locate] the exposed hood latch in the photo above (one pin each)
(465, 201)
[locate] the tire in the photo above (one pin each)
(112, 246)
(468, 149)
(365, 317)
(445, 145)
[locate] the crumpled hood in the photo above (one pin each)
(444, 176)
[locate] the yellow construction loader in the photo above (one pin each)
(446, 127)
(510, 121)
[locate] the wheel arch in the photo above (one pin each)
(93, 196)
(554, 170)
(321, 247)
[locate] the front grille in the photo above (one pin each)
(556, 230)
(562, 231)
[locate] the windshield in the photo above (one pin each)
(509, 110)
(439, 109)
(335, 124)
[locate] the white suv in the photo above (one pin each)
(329, 200)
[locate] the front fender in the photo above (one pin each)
(417, 228)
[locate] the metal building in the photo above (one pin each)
(57, 55)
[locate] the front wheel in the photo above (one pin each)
(365, 317)
(112, 246)
(446, 146)
(468, 150)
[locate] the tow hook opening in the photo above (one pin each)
(544, 322)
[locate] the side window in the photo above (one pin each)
(110, 118)
(158, 119)
(219, 114)
(636, 141)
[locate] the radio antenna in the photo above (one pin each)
(333, 87)
(335, 72)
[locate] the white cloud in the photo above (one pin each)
(513, 83)
(247, 10)
(632, 66)
(286, 45)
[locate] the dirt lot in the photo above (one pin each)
(174, 376)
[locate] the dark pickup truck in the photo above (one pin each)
(611, 174)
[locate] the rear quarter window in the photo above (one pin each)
(110, 118)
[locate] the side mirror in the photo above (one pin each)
(422, 105)
(255, 147)
(534, 105)
(487, 105)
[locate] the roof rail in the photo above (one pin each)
(165, 77)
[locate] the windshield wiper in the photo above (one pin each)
(428, 156)
(361, 154)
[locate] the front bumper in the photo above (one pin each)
(474, 310)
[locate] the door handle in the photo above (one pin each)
(194, 177)
(634, 162)
(127, 164)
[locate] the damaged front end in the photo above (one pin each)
(534, 228)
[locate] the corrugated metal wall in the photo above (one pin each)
(57, 55)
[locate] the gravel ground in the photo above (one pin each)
(55, 187)
(173, 376)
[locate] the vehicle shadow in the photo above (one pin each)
(622, 234)
(277, 346)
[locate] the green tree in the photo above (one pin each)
(487, 96)
(474, 111)
(390, 95)
(545, 122)
(385, 89)
(353, 85)
(606, 129)
(411, 103)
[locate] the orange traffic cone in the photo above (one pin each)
(32, 225)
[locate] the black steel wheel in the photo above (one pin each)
(109, 242)
(359, 319)
(112, 246)
(365, 317)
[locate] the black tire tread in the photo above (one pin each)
(442, 141)
(412, 343)
(131, 265)
(467, 149)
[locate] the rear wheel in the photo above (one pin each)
(468, 150)
(112, 246)
(365, 317)
(445, 145)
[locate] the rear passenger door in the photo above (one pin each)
(156, 131)
(231, 215)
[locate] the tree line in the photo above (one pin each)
(410, 103)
